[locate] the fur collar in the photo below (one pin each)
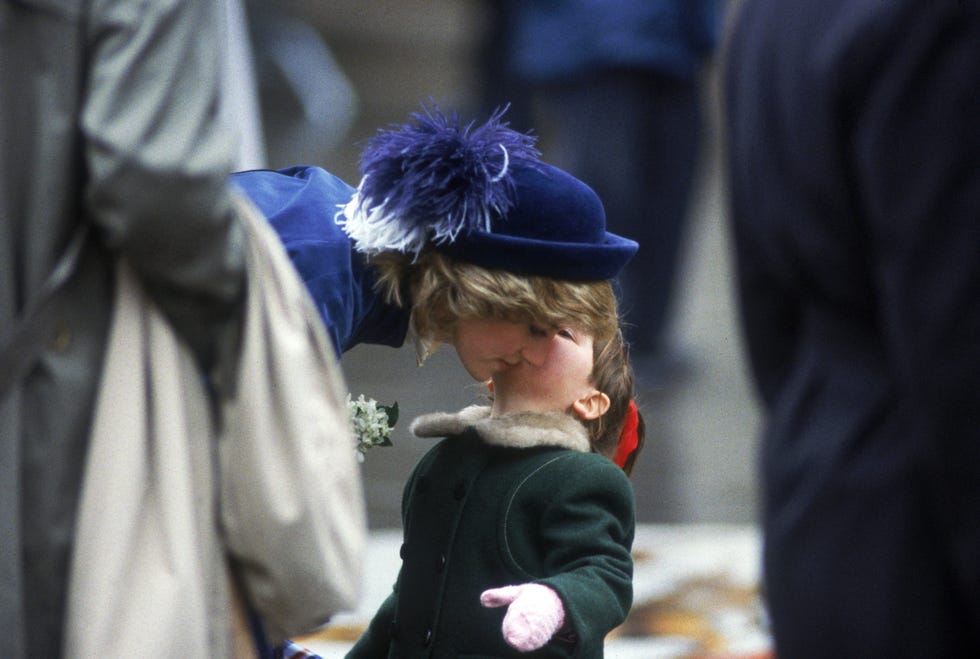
(521, 430)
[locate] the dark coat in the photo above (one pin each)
(854, 158)
(499, 502)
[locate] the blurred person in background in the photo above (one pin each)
(854, 169)
(615, 88)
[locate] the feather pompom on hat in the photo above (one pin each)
(479, 194)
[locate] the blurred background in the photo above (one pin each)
(327, 74)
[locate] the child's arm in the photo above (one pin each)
(578, 517)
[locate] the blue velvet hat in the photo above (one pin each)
(480, 195)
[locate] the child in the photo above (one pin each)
(518, 525)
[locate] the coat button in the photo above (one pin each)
(403, 551)
(459, 491)
(427, 638)
(442, 562)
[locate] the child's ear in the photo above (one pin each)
(592, 405)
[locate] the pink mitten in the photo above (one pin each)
(534, 614)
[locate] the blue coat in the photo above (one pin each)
(301, 203)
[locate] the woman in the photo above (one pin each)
(442, 206)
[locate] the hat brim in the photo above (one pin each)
(570, 261)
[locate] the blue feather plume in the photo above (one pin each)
(433, 179)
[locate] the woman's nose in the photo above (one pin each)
(537, 348)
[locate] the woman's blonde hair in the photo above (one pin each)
(441, 291)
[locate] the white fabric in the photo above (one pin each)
(292, 500)
(165, 495)
(146, 573)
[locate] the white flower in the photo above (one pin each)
(371, 423)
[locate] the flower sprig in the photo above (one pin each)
(371, 423)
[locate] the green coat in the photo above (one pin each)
(506, 501)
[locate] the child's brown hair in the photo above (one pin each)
(612, 374)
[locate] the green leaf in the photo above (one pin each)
(391, 411)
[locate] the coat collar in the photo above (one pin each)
(522, 430)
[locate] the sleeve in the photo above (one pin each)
(158, 159)
(301, 204)
(587, 528)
